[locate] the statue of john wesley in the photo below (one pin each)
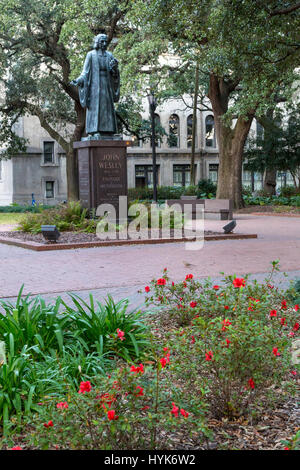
(99, 89)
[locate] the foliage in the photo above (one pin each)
(236, 339)
(126, 410)
(67, 217)
(206, 188)
(96, 325)
(278, 147)
(16, 208)
(272, 200)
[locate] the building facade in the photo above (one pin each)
(40, 174)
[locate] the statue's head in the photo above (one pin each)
(100, 42)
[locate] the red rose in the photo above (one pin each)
(193, 304)
(147, 289)
(161, 282)
(273, 313)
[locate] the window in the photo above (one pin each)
(210, 137)
(259, 130)
(213, 170)
(190, 131)
(48, 152)
(144, 176)
(173, 139)
(182, 175)
(49, 189)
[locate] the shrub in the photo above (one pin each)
(15, 208)
(32, 324)
(206, 188)
(134, 408)
(236, 342)
(288, 191)
(67, 217)
(100, 327)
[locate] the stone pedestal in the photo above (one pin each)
(102, 169)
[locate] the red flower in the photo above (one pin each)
(226, 323)
(121, 334)
(49, 424)
(175, 410)
(239, 282)
(107, 398)
(161, 282)
(85, 387)
(283, 321)
(275, 352)
(189, 276)
(184, 413)
(296, 327)
(111, 414)
(193, 340)
(193, 304)
(16, 448)
(163, 362)
(251, 383)
(228, 343)
(147, 288)
(62, 405)
(273, 313)
(283, 304)
(141, 391)
(296, 308)
(209, 356)
(138, 369)
(293, 372)
(226, 307)
(216, 287)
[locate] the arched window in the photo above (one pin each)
(173, 139)
(210, 135)
(189, 136)
(259, 130)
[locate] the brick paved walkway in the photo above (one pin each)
(123, 270)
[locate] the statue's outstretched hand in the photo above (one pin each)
(77, 82)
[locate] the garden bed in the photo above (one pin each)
(72, 240)
(210, 368)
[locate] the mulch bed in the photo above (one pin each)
(70, 237)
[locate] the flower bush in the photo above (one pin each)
(235, 344)
(133, 408)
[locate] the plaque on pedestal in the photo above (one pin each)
(102, 171)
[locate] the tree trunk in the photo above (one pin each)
(230, 140)
(231, 149)
(270, 181)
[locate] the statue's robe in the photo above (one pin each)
(101, 89)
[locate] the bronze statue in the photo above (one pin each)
(99, 89)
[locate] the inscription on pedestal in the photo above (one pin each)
(102, 168)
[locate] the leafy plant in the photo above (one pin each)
(96, 326)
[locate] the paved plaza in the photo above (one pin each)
(123, 270)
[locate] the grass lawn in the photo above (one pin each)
(10, 219)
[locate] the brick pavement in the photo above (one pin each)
(122, 270)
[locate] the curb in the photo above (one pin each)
(71, 246)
